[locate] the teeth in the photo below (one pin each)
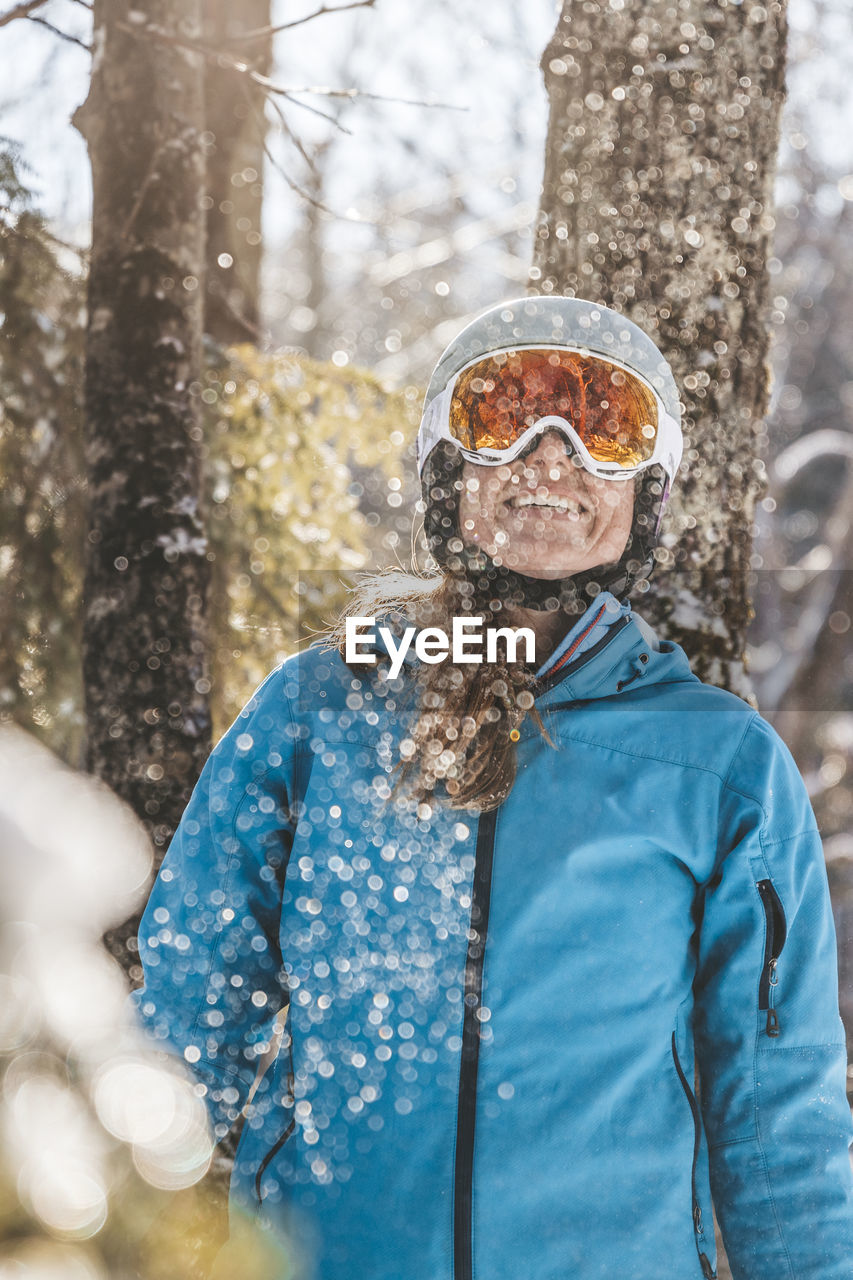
(557, 504)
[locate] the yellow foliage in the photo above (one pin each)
(300, 454)
(149, 1234)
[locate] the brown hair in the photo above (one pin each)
(463, 737)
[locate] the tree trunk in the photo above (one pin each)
(146, 573)
(236, 131)
(656, 200)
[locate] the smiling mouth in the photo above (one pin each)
(567, 506)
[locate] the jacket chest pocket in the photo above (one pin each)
(775, 933)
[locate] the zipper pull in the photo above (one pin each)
(772, 1026)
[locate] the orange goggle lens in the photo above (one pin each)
(498, 398)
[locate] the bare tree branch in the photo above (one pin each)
(263, 32)
(815, 444)
(20, 11)
(352, 94)
(63, 35)
(142, 190)
(79, 250)
(314, 111)
(225, 59)
(249, 325)
(293, 137)
(295, 187)
(279, 168)
(837, 543)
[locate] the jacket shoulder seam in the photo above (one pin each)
(643, 755)
(797, 835)
(802, 1048)
(726, 780)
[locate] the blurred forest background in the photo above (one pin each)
(372, 178)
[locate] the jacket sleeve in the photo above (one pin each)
(769, 1039)
(208, 940)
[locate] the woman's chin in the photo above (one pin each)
(535, 568)
(551, 575)
(533, 560)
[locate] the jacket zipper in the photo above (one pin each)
(555, 677)
(698, 1225)
(775, 933)
(282, 1139)
(466, 1110)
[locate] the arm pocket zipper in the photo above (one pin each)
(775, 932)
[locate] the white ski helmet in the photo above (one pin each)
(589, 329)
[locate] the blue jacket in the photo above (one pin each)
(488, 1062)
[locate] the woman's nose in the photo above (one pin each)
(551, 445)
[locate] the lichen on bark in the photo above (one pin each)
(657, 200)
(147, 571)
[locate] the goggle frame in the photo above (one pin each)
(435, 425)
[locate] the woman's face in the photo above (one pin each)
(544, 515)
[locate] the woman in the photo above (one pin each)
(503, 901)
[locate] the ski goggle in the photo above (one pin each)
(495, 406)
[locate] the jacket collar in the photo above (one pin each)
(604, 611)
(628, 655)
